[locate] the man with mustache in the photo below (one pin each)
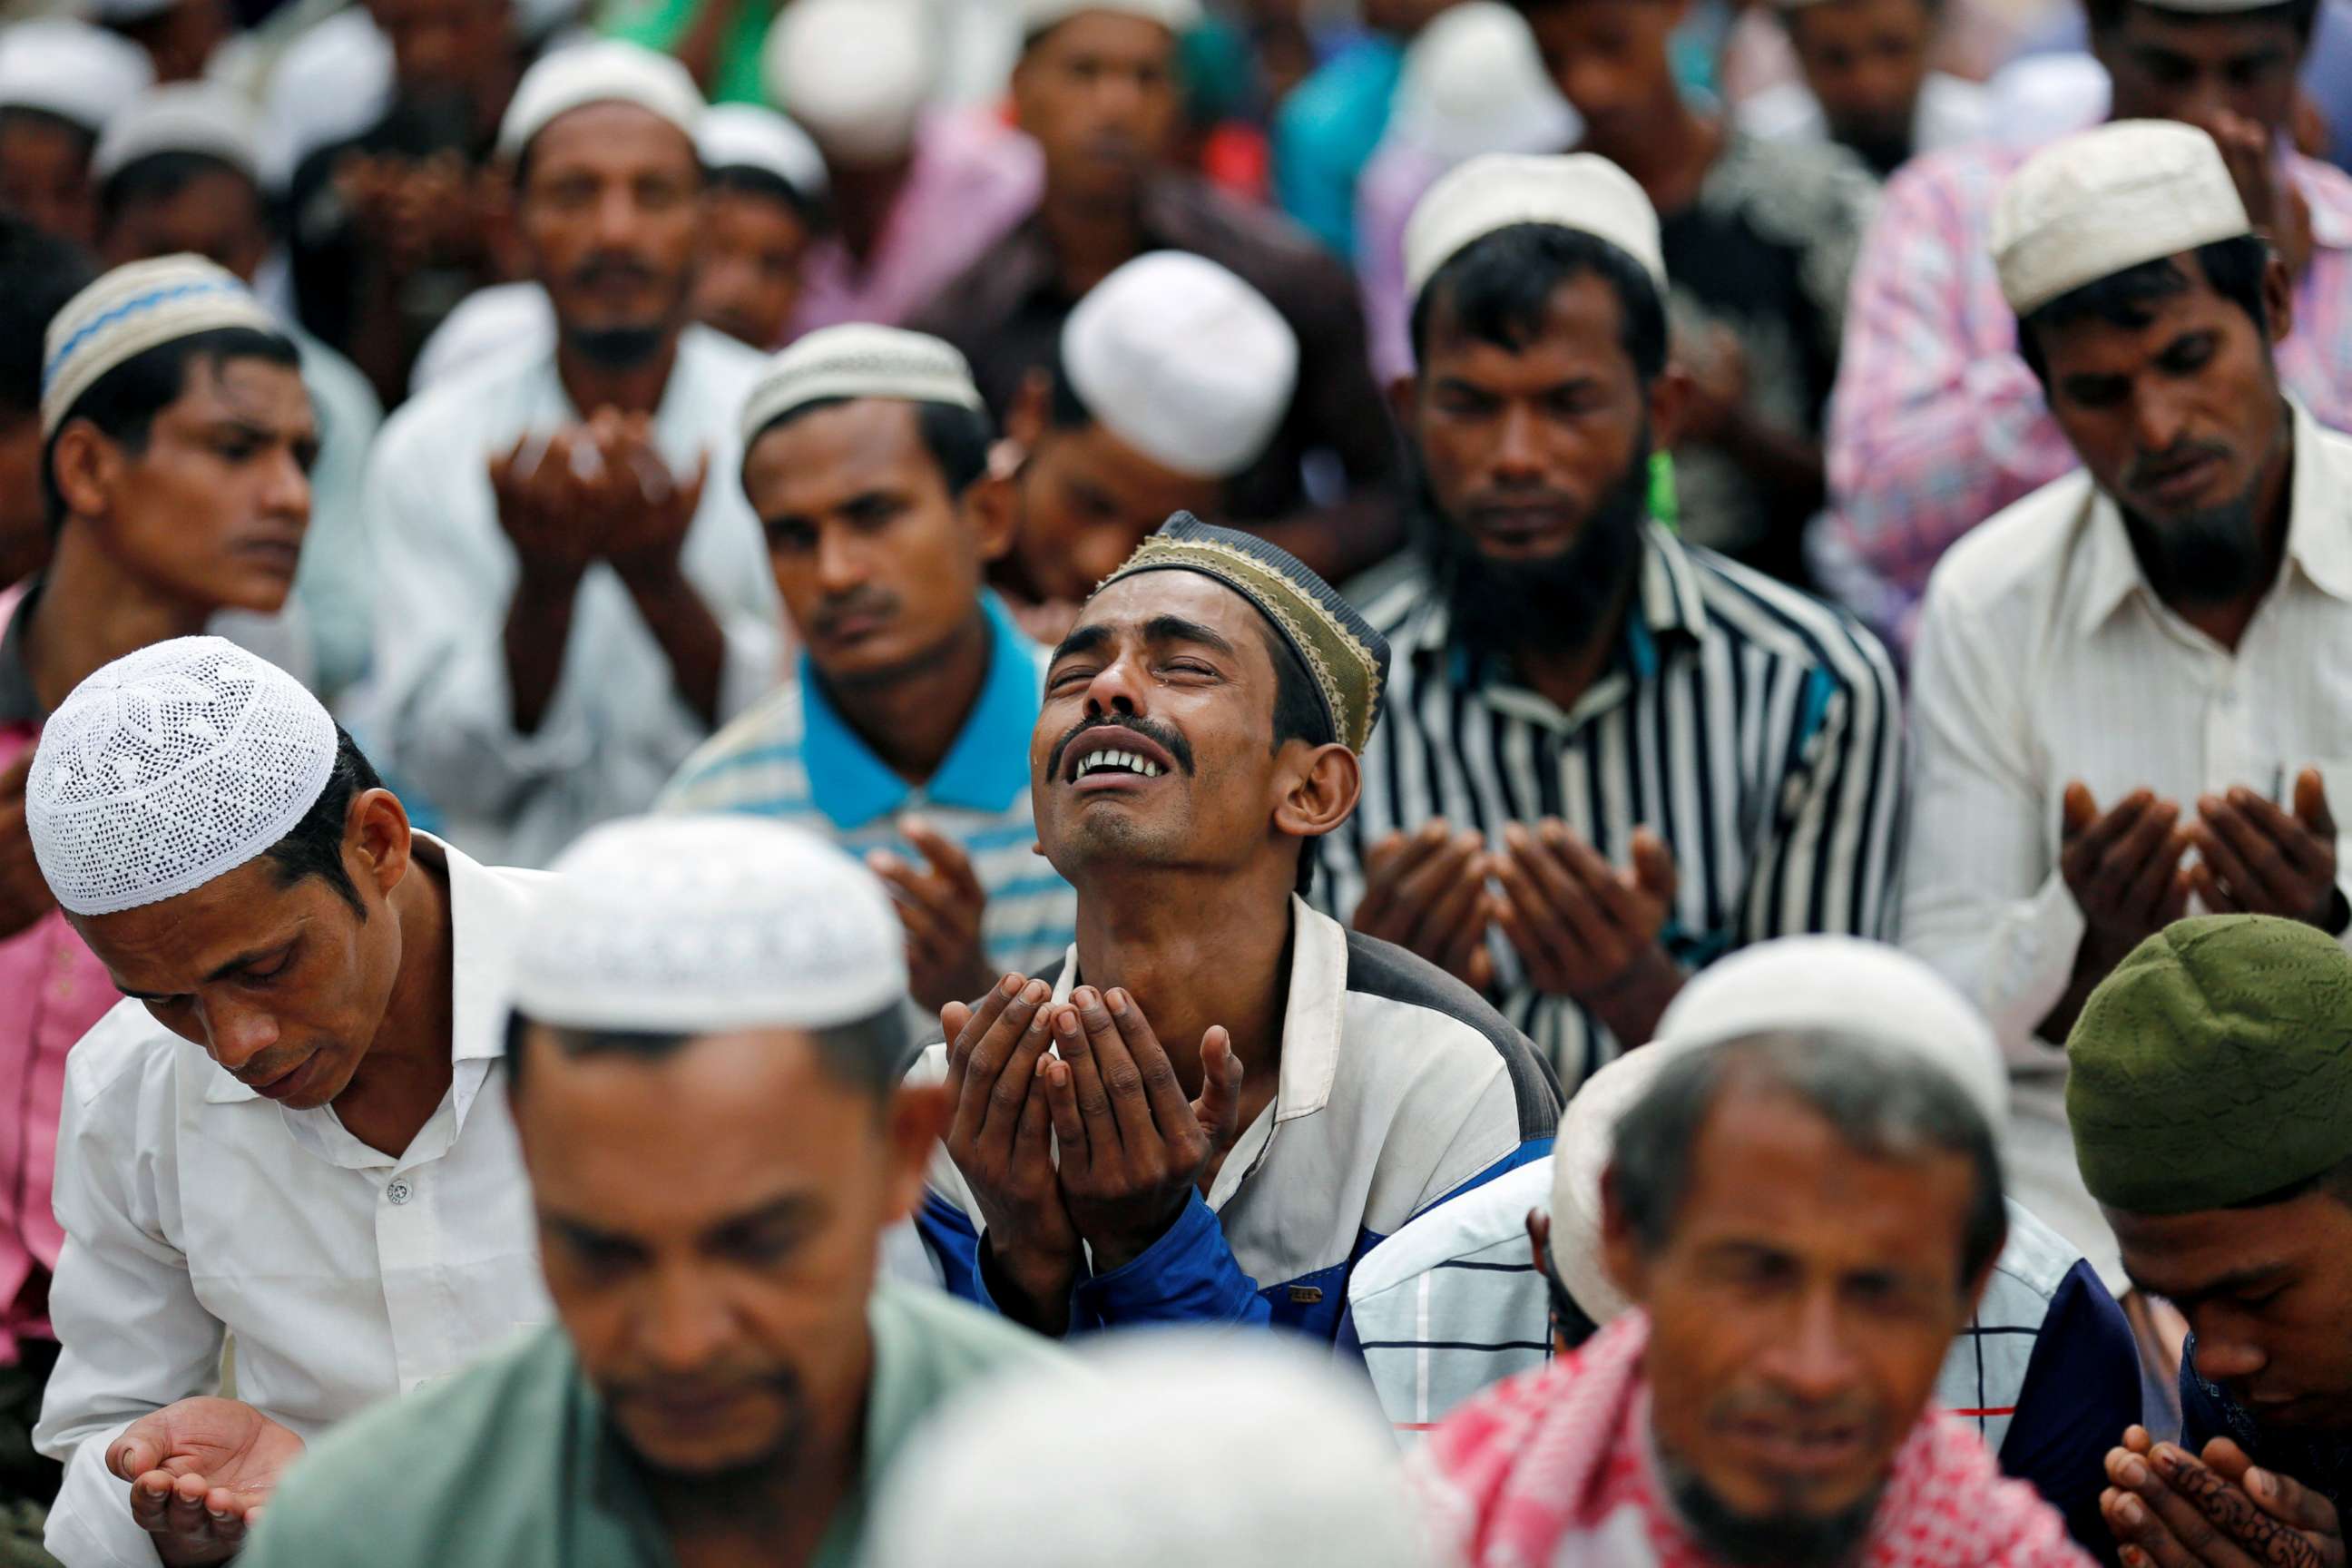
(293, 1132)
(1219, 1099)
(566, 611)
(2129, 692)
(1610, 757)
(904, 732)
(706, 1059)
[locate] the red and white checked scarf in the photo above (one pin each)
(1552, 1468)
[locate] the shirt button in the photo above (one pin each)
(400, 1192)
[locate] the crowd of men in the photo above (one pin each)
(923, 781)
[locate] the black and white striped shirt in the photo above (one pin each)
(1757, 730)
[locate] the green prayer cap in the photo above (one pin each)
(2213, 1066)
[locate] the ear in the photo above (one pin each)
(1538, 1224)
(1025, 418)
(1621, 1249)
(377, 840)
(1669, 400)
(88, 467)
(1404, 402)
(917, 1120)
(992, 510)
(1319, 797)
(2278, 297)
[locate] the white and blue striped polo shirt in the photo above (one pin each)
(794, 757)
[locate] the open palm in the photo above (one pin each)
(198, 1469)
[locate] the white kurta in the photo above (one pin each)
(192, 1207)
(439, 716)
(2044, 657)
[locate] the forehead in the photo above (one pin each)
(762, 212)
(2216, 37)
(2156, 319)
(1106, 36)
(1850, 18)
(2182, 1255)
(173, 945)
(611, 139)
(1128, 607)
(250, 391)
(830, 456)
(1579, 332)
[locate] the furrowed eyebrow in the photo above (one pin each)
(1176, 628)
(1085, 639)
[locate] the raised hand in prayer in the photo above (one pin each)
(643, 510)
(542, 488)
(2123, 867)
(1133, 1149)
(2255, 859)
(1426, 892)
(941, 908)
(1588, 931)
(200, 1471)
(999, 1134)
(25, 895)
(2169, 1509)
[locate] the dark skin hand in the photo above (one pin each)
(2170, 1508)
(2277, 210)
(25, 895)
(1426, 892)
(2123, 867)
(2254, 859)
(1585, 929)
(200, 1471)
(941, 904)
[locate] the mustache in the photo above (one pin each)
(606, 269)
(1150, 729)
(857, 601)
(2155, 466)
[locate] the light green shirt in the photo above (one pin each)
(660, 24)
(510, 1465)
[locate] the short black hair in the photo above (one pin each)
(743, 180)
(159, 177)
(1063, 408)
(2105, 15)
(1298, 715)
(38, 273)
(2234, 268)
(1499, 287)
(956, 437)
(26, 114)
(870, 1055)
(314, 846)
(123, 402)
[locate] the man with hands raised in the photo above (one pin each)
(1220, 1098)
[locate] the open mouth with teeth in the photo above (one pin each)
(1114, 762)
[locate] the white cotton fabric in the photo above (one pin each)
(1580, 191)
(2108, 198)
(168, 767)
(605, 71)
(181, 116)
(1473, 83)
(856, 73)
(745, 136)
(1183, 362)
(67, 69)
(1036, 15)
(859, 360)
(130, 309)
(1171, 1448)
(696, 924)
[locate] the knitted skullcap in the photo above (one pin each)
(170, 767)
(2109, 199)
(858, 360)
(856, 73)
(130, 309)
(2213, 1066)
(1347, 657)
(1579, 191)
(608, 70)
(699, 924)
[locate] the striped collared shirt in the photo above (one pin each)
(1754, 730)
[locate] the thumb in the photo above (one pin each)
(1219, 1109)
(2080, 808)
(140, 1449)
(2311, 803)
(1653, 865)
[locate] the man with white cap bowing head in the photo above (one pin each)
(567, 608)
(706, 1057)
(293, 1130)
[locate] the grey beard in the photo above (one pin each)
(1772, 1540)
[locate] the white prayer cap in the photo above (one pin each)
(856, 73)
(130, 309)
(1183, 362)
(1169, 1448)
(1580, 191)
(859, 359)
(170, 767)
(182, 117)
(72, 71)
(745, 136)
(1037, 16)
(694, 925)
(1473, 82)
(607, 70)
(2108, 198)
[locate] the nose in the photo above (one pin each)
(841, 565)
(2223, 1354)
(235, 1034)
(2159, 416)
(616, 218)
(286, 488)
(684, 1325)
(1519, 446)
(1114, 692)
(1810, 1360)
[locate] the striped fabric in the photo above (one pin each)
(1756, 730)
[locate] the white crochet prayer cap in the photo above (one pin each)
(182, 117)
(1037, 16)
(1580, 191)
(72, 71)
(1863, 990)
(604, 71)
(1473, 82)
(1169, 1448)
(694, 925)
(859, 359)
(170, 767)
(745, 136)
(135, 308)
(1183, 362)
(857, 74)
(2108, 198)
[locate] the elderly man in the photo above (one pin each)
(1938, 423)
(1868, 83)
(566, 610)
(1803, 1221)
(1171, 377)
(903, 734)
(1095, 86)
(60, 82)
(2208, 1105)
(1239, 1097)
(1610, 757)
(281, 935)
(2125, 695)
(726, 1382)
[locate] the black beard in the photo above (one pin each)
(617, 348)
(1775, 1540)
(2209, 557)
(1884, 152)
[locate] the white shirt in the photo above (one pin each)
(1950, 110)
(2044, 657)
(192, 1207)
(616, 728)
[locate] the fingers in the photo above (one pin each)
(2128, 854)
(1098, 1126)
(1546, 860)
(1653, 865)
(1385, 868)
(1219, 1109)
(2263, 874)
(151, 1501)
(2089, 846)
(2310, 804)
(1171, 1111)
(1122, 1074)
(973, 1076)
(139, 1451)
(2233, 1513)
(186, 1516)
(2291, 1502)
(1033, 1139)
(950, 865)
(1007, 1099)
(2307, 851)
(2079, 812)
(1076, 1149)
(2148, 891)
(977, 1024)
(2155, 1514)
(1431, 899)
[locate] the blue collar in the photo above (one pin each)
(985, 770)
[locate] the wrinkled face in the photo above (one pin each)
(748, 265)
(1609, 58)
(213, 507)
(710, 1221)
(441, 46)
(217, 214)
(2169, 66)
(608, 211)
(877, 564)
(1798, 1313)
(1088, 499)
(23, 516)
(45, 175)
(2268, 1292)
(1098, 92)
(1865, 60)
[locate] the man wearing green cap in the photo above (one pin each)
(2210, 1100)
